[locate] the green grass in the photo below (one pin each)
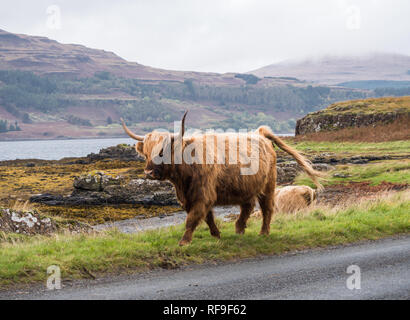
(367, 106)
(394, 171)
(25, 259)
(350, 148)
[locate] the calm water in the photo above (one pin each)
(58, 149)
(55, 149)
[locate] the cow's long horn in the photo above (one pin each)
(130, 133)
(182, 130)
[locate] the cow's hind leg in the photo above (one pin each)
(211, 224)
(266, 203)
(193, 219)
(246, 210)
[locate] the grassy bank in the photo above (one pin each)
(25, 259)
(393, 171)
(353, 148)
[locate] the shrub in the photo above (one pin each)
(79, 121)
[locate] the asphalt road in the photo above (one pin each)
(316, 274)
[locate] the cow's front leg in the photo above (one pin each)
(193, 219)
(212, 225)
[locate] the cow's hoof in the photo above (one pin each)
(240, 230)
(184, 242)
(216, 234)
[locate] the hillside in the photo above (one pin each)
(357, 113)
(332, 70)
(49, 57)
(51, 90)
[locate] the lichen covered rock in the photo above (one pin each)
(95, 181)
(25, 222)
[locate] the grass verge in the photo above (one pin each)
(25, 259)
(393, 171)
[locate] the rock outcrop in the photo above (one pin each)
(143, 191)
(312, 123)
(25, 222)
(138, 191)
(358, 113)
(121, 152)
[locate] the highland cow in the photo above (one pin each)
(217, 169)
(290, 199)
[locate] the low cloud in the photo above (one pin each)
(219, 35)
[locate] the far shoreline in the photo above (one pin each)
(61, 148)
(100, 138)
(65, 138)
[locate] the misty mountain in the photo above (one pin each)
(332, 70)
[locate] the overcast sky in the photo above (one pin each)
(216, 35)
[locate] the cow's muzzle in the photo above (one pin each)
(152, 174)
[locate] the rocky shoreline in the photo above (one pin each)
(99, 188)
(109, 187)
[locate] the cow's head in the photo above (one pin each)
(158, 148)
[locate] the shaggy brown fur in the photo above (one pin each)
(291, 199)
(294, 198)
(201, 186)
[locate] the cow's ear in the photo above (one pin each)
(139, 147)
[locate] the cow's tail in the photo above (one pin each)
(301, 160)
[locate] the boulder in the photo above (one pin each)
(341, 175)
(144, 191)
(322, 167)
(139, 191)
(25, 222)
(287, 171)
(123, 152)
(95, 181)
